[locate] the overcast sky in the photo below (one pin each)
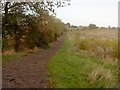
(84, 12)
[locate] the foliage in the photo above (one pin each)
(30, 25)
(92, 26)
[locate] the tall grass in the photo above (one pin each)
(101, 47)
(69, 69)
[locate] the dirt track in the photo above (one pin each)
(30, 71)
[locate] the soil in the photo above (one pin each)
(30, 71)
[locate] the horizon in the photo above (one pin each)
(82, 13)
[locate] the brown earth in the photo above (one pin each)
(30, 71)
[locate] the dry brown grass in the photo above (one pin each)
(100, 33)
(98, 42)
(99, 47)
(100, 73)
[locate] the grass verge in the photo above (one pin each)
(8, 58)
(69, 69)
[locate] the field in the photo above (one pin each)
(97, 42)
(100, 33)
(88, 59)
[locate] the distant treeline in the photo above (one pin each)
(26, 25)
(90, 26)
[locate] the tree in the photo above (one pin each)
(92, 26)
(30, 23)
(12, 22)
(109, 27)
(68, 24)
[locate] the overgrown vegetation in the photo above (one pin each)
(102, 43)
(70, 68)
(27, 25)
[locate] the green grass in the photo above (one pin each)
(11, 57)
(7, 58)
(69, 69)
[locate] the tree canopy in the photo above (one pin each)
(30, 25)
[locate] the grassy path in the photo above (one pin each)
(69, 69)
